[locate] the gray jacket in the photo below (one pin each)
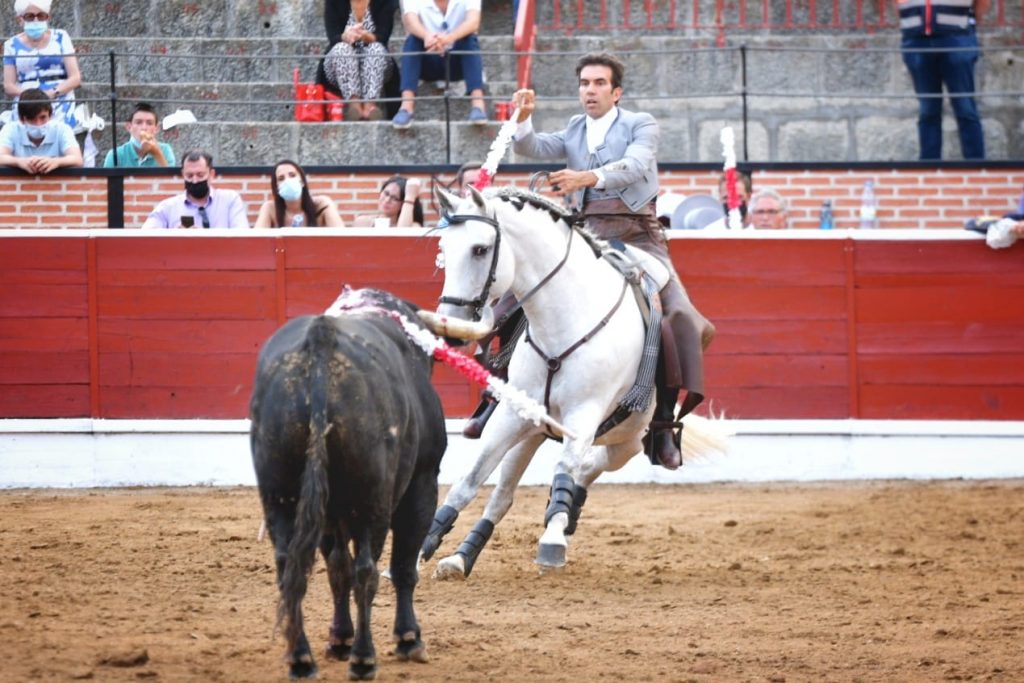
(628, 156)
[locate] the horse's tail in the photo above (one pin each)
(704, 437)
(311, 510)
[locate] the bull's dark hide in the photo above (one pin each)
(347, 437)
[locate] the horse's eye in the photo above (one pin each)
(479, 250)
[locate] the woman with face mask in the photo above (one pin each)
(42, 57)
(292, 206)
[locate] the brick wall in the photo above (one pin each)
(908, 198)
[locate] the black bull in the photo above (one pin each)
(347, 437)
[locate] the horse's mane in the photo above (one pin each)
(519, 198)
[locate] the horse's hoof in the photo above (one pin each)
(362, 670)
(453, 567)
(339, 651)
(411, 651)
(551, 555)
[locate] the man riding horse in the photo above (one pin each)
(612, 178)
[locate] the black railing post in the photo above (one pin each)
(115, 200)
(447, 108)
(113, 108)
(743, 96)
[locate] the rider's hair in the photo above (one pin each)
(603, 59)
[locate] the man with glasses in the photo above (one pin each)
(200, 206)
(768, 210)
(439, 28)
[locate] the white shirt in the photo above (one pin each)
(434, 20)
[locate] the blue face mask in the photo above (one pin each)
(290, 189)
(37, 132)
(35, 29)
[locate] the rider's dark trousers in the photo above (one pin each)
(612, 219)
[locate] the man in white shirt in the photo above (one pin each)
(439, 27)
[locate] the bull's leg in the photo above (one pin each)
(409, 526)
(515, 463)
(369, 544)
(339, 573)
(298, 656)
(505, 428)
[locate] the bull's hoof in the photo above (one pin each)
(339, 650)
(362, 669)
(451, 567)
(411, 651)
(303, 667)
(551, 555)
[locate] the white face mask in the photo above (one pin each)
(37, 132)
(290, 189)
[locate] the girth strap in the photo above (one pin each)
(554, 363)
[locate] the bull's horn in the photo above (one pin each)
(455, 328)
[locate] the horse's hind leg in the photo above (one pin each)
(461, 563)
(599, 459)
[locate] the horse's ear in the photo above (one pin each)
(445, 199)
(478, 198)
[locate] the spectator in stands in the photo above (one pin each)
(467, 175)
(943, 25)
(37, 143)
(398, 206)
(142, 150)
(744, 186)
(358, 63)
(200, 205)
(292, 204)
(768, 211)
(42, 57)
(439, 27)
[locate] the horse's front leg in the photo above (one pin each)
(504, 428)
(459, 565)
(552, 547)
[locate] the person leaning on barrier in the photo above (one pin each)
(945, 31)
(200, 205)
(143, 150)
(398, 205)
(768, 211)
(42, 57)
(438, 27)
(38, 143)
(292, 204)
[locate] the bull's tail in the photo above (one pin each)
(311, 510)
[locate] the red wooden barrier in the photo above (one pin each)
(129, 326)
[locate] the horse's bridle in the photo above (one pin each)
(478, 302)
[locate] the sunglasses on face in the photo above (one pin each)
(40, 16)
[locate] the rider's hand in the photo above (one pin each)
(567, 181)
(525, 101)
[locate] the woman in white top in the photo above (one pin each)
(292, 205)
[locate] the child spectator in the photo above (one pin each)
(42, 57)
(37, 143)
(143, 149)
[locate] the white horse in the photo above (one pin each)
(587, 324)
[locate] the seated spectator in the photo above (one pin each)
(439, 27)
(744, 187)
(292, 204)
(42, 57)
(358, 63)
(36, 143)
(398, 206)
(200, 205)
(142, 150)
(467, 175)
(768, 210)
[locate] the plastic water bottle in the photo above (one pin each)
(825, 221)
(297, 220)
(868, 206)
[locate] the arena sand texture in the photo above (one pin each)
(889, 581)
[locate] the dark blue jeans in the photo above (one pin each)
(464, 67)
(929, 70)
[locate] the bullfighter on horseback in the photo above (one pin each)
(612, 179)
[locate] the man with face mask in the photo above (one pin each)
(142, 150)
(37, 143)
(200, 206)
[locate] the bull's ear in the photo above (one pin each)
(477, 197)
(445, 199)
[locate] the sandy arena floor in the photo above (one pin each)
(848, 582)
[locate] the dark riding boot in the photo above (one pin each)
(474, 426)
(662, 442)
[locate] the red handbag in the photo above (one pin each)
(309, 106)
